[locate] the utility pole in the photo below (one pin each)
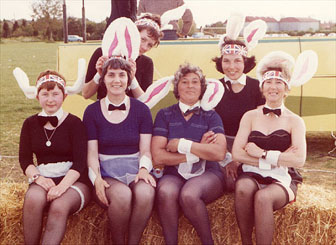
(83, 23)
(65, 23)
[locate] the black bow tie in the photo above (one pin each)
(275, 111)
(122, 107)
(195, 110)
(44, 119)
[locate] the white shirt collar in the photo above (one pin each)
(126, 101)
(58, 114)
(241, 79)
(184, 107)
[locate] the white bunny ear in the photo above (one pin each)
(213, 94)
(173, 14)
(121, 38)
(157, 91)
(78, 85)
(305, 67)
(23, 81)
(234, 25)
(255, 31)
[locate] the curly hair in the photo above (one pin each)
(249, 62)
(183, 70)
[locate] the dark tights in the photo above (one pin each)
(192, 196)
(129, 208)
(59, 210)
(255, 206)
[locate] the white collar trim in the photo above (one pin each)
(58, 114)
(184, 107)
(241, 79)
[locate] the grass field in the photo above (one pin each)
(34, 57)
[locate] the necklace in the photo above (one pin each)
(48, 142)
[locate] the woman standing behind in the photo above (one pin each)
(59, 181)
(192, 177)
(242, 92)
(149, 28)
(270, 143)
(119, 133)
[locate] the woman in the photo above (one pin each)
(119, 132)
(59, 179)
(143, 68)
(192, 177)
(270, 143)
(241, 94)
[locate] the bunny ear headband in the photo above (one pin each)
(253, 32)
(305, 67)
(121, 39)
(158, 90)
(31, 91)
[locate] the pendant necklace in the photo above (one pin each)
(48, 142)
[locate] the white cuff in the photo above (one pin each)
(146, 163)
(226, 161)
(92, 176)
(96, 78)
(263, 164)
(273, 157)
(134, 84)
(191, 158)
(184, 146)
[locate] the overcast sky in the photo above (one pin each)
(204, 11)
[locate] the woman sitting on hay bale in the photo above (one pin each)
(192, 176)
(271, 143)
(58, 139)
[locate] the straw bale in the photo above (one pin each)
(310, 220)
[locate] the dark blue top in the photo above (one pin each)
(171, 124)
(118, 138)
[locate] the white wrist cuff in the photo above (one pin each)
(191, 158)
(146, 163)
(263, 164)
(227, 160)
(96, 78)
(184, 146)
(134, 84)
(92, 176)
(273, 157)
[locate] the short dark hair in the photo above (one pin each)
(117, 63)
(153, 33)
(249, 62)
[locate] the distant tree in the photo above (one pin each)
(24, 23)
(6, 30)
(74, 26)
(15, 26)
(47, 12)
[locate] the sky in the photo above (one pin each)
(204, 11)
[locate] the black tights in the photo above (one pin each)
(255, 206)
(129, 208)
(192, 196)
(59, 210)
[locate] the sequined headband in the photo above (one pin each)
(50, 78)
(274, 74)
(148, 22)
(234, 49)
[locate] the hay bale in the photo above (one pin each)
(310, 220)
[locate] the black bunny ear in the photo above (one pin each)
(121, 38)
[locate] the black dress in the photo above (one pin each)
(288, 178)
(144, 72)
(68, 143)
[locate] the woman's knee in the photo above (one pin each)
(120, 196)
(245, 187)
(189, 198)
(35, 198)
(144, 193)
(167, 192)
(59, 209)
